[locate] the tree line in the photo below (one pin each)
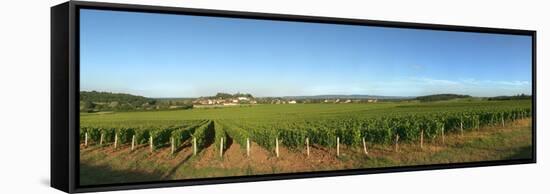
(94, 101)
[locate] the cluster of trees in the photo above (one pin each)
(94, 101)
(221, 95)
(439, 97)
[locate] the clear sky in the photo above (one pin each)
(163, 55)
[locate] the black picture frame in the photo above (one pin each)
(65, 92)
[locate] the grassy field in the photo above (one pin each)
(299, 111)
(102, 164)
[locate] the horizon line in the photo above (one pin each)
(393, 96)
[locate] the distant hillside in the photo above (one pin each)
(516, 97)
(439, 97)
(353, 96)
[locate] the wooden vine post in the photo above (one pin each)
(247, 147)
(365, 147)
(194, 146)
(397, 143)
(151, 144)
(461, 129)
(133, 142)
(277, 146)
(86, 139)
(307, 146)
(221, 147)
(172, 142)
(337, 146)
(101, 139)
(116, 139)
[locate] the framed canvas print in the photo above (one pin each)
(148, 96)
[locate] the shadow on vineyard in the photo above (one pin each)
(175, 168)
(523, 152)
(228, 144)
(186, 145)
(105, 174)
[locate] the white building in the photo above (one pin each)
(243, 98)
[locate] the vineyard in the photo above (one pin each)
(297, 128)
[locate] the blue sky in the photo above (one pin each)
(162, 55)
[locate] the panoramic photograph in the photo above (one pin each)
(178, 97)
